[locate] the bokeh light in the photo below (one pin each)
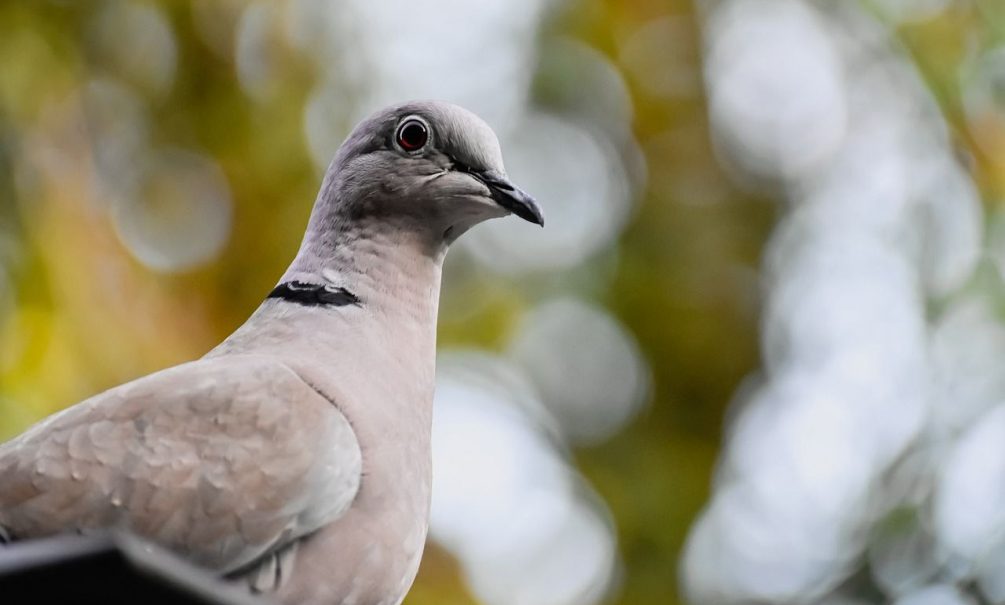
(754, 355)
(846, 452)
(586, 367)
(135, 42)
(181, 215)
(505, 500)
(937, 594)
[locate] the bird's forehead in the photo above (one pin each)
(465, 136)
(456, 131)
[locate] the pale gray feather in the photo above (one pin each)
(220, 460)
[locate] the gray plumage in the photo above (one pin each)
(295, 456)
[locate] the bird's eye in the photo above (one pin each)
(412, 135)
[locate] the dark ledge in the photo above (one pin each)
(111, 569)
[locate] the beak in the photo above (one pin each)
(511, 197)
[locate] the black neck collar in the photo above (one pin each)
(314, 295)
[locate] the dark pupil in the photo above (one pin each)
(412, 136)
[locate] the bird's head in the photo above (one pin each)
(428, 166)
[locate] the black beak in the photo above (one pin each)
(510, 197)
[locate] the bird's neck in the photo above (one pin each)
(391, 269)
(389, 334)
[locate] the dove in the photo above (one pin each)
(295, 456)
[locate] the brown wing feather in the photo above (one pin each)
(220, 460)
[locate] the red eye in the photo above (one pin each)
(412, 135)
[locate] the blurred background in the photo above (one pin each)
(756, 356)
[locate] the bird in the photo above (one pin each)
(294, 457)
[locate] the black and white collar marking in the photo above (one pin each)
(313, 295)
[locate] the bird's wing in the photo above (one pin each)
(222, 460)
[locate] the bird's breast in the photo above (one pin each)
(371, 554)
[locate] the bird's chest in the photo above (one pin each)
(376, 546)
(393, 513)
(386, 525)
(390, 515)
(385, 391)
(370, 555)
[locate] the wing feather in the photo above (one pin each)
(220, 460)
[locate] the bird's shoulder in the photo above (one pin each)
(254, 389)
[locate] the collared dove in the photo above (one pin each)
(294, 456)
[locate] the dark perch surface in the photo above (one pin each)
(110, 569)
